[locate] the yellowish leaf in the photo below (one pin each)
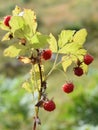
(7, 36)
(30, 19)
(26, 85)
(65, 37)
(12, 51)
(53, 43)
(84, 67)
(66, 62)
(80, 36)
(16, 11)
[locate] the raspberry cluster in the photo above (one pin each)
(88, 59)
(37, 56)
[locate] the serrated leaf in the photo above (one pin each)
(81, 52)
(53, 43)
(39, 40)
(70, 48)
(30, 19)
(16, 23)
(7, 36)
(19, 27)
(14, 50)
(84, 67)
(16, 11)
(3, 27)
(27, 86)
(65, 37)
(73, 58)
(22, 33)
(80, 36)
(66, 62)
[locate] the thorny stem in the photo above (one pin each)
(40, 92)
(41, 84)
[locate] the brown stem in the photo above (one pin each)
(34, 126)
(41, 79)
(40, 92)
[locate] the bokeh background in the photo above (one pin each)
(76, 111)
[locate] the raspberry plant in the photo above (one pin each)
(33, 47)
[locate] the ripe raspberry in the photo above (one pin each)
(6, 20)
(47, 54)
(49, 105)
(78, 71)
(68, 87)
(88, 59)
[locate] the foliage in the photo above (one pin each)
(30, 46)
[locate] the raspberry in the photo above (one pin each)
(78, 71)
(68, 87)
(88, 59)
(6, 20)
(47, 54)
(49, 105)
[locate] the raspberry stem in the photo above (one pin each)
(53, 67)
(40, 91)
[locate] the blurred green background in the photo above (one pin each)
(76, 111)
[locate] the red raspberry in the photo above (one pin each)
(6, 20)
(47, 54)
(88, 59)
(68, 87)
(78, 71)
(49, 105)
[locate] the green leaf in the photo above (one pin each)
(14, 50)
(16, 23)
(30, 19)
(65, 37)
(3, 27)
(27, 86)
(70, 48)
(53, 43)
(80, 36)
(19, 27)
(7, 36)
(36, 74)
(66, 62)
(39, 40)
(23, 33)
